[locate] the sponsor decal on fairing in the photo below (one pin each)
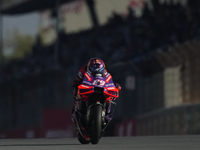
(107, 74)
(108, 79)
(111, 88)
(98, 82)
(110, 84)
(85, 86)
(89, 73)
(87, 82)
(88, 77)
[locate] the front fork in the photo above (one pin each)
(90, 113)
(106, 114)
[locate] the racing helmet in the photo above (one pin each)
(96, 66)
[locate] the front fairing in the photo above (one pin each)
(91, 83)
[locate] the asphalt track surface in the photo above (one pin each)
(191, 142)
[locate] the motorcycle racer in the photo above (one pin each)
(94, 66)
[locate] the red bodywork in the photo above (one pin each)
(110, 93)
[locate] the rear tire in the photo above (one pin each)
(96, 126)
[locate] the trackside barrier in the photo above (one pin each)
(56, 123)
(180, 120)
(126, 128)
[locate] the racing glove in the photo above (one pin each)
(118, 86)
(76, 82)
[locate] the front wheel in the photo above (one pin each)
(82, 140)
(96, 125)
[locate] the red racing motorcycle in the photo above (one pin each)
(97, 96)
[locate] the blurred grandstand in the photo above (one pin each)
(154, 56)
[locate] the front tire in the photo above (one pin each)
(96, 125)
(82, 140)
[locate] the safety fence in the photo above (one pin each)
(22, 101)
(55, 123)
(180, 120)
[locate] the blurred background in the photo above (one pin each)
(151, 48)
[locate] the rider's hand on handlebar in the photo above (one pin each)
(76, 83)
(118, 86)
